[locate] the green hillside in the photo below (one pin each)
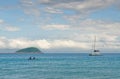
(29, 50)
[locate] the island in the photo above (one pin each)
(29, 50)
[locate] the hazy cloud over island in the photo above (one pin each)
(60, 24)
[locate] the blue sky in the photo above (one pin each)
(55, 25)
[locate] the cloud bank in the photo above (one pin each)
(55, 44)
(43, 44)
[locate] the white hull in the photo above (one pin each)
(95, 54)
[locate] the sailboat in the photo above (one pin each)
(95, 51)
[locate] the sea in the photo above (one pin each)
(59, 66)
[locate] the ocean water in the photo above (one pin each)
(59, 66)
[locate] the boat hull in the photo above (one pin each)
(95, 54)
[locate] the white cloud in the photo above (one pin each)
(43, 44)
(79, 5)
(55, 6)
(1, 21)
(80, 8)
(52, 10)
(30, 8)
(3, 42)
(101, 37)
(11, 28)
(7, 27)
(69, 44)
(54, 44)
(56, 27)
(97, 26)
(89, 28)
(73, 19)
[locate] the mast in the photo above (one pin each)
(94, 43)
(95, 52)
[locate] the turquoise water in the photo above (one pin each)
(59, 66)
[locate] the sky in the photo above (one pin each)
(60, 25)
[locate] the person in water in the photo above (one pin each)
(32, 58)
